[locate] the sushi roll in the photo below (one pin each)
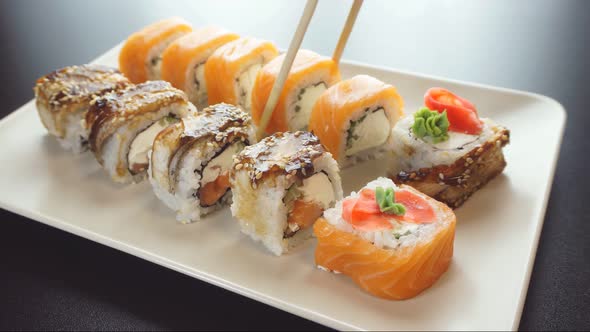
(445, 150)
(63, 98)
(281, 185)
(183, 62)
(394, 242)
(231, 70)
(354, 118)
(140, 58)
(310, 75)
(123, 124)
(190, 160)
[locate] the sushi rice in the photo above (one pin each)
(403, 234)
(259, 202)
(189, 155)
(413, 153)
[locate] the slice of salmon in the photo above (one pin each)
(134, 54)
(304, 213)
(226, 64)
(196, 46)
(211, 192)
(337, 106)
(306, 65)
(391, 274)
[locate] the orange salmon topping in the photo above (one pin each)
(180, 55)
(307, 64)
(336, 106)
(135, 51)
(227, 62)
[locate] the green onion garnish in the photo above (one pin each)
(386, 200)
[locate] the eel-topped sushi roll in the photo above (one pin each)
(310, 75)
(191, 160)
(354, 119)
(445, 150)
(281, 185)
(140, 58)
(123, 125)
(183, 62)
(64, 96)
(394, 242)
(231, 70)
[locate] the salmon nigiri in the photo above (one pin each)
(354, 118)
(231, 70)
(183, 62)
(394, 242)
(310, 75)
(140, 57)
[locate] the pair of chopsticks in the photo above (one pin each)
(292, 51)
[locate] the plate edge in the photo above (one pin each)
(321, 319)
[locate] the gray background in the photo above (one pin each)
(53, 280)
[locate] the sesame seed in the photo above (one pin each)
(258, 176)
(239, 166)
(441, 176)
(469, 160)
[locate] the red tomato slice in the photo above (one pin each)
(461, 112)
(363, 213)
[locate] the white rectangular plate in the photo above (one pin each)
(496, 240)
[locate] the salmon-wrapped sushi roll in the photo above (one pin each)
(190, 161)
(354, 118)
(123, 125)
(394, 242)
(310, 75)
(231, 70)
(281, 185)
(183, 62)
(64, 96)
(445, 150)
(141, 56)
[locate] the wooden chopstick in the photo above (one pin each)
(352, 14)
(277, 87)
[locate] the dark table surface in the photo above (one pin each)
(50, 279)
